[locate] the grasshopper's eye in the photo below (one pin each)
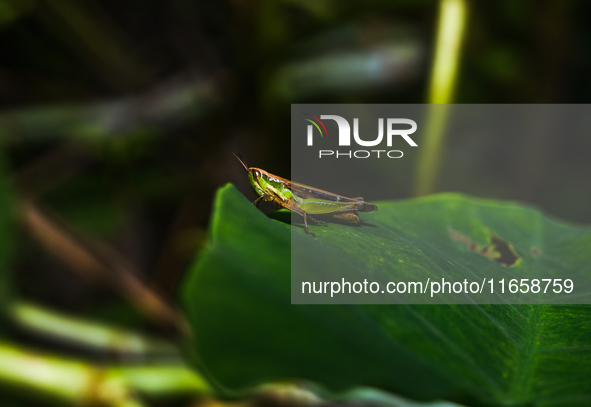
(257, 174)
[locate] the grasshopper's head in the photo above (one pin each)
(257, 177)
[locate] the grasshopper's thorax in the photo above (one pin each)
(264, 183)
(254, 176)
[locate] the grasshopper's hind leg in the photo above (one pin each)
(302, 213)
(317, 221)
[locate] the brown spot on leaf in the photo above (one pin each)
(498, 250)
(535, 251)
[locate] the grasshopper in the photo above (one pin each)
(304, 200)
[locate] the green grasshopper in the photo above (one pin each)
(304, 200)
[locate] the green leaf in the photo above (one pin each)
(246, 331)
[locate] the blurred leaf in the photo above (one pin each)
(6, 235)
(369, 397)
(94, 206)
(359, 58)
(289, 394)
(166, 105)
(246, 331)
(12, 10)
(88, 334)
(60, 380)
(118, 312)
(389, 65)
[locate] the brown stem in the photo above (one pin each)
(110, 267)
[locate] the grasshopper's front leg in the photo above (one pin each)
(306, 225)
(256, 201)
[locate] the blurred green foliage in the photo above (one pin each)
(7, 244)
(118, 119)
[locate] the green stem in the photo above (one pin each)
(88, 334)
(74, 382)
(452, 21)
(48, 377)
(444, 74)
(161, 381)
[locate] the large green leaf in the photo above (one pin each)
(246, 331)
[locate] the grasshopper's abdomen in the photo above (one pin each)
(347, 217)
(368, 207)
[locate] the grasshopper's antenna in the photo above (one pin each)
(239, 157)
